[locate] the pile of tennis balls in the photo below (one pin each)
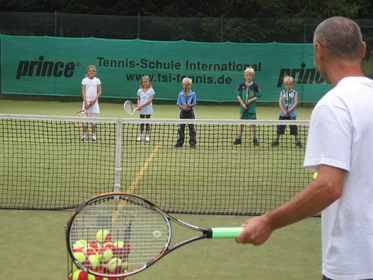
(101, 255)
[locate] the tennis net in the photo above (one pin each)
(45, 165)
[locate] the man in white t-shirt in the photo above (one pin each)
(340, 149)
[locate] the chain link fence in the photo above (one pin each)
(197, 29)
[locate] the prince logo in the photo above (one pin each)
(41, 68)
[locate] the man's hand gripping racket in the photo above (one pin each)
(149, 231)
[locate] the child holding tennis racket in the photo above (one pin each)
(247, 93)
(186, 101)
(288, 102)
(91, 92)
(145, 96)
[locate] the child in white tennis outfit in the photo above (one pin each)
(91, 92)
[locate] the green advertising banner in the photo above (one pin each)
(55, 66)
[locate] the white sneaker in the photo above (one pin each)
(94, 137)
(84, 137)
(140, 138)
(147, 138)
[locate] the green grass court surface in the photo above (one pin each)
(34, 247)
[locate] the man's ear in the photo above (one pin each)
(363, 49)
(319, 51)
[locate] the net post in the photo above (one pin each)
(117, 186)
(118, 156)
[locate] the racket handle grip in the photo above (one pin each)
(227, 232)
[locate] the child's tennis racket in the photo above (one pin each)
(135, 220)
(81, 115)
(247, 97)
(287, 100)
(129, 107)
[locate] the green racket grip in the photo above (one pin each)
(226, 232)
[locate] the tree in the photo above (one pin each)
(318, 9)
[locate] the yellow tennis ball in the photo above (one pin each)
(108, 255)
(114, 265)
(92, 262)
(124, 265)
(314, 176)
(103, 235)
(95, 245)
(109, 245)
(119, 248)
(91, 251)
(74, 268)
(106, 278)
(79, 255)
(80, 244)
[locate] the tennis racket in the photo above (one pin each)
(144, 227)
(81, 115)
(287, 100)
(247, 97)
(129, 107)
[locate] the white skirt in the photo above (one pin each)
(94, 109)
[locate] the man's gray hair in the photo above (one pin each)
(340, 36)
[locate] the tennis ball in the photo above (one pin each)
(79, 255)
(74, 268)
(107, 255)
(92, 262)
(80, 244)
(80, 275)
(95, 245)
(109, 246)
(103, 235)
(314, 176)
(119, 248)
(100, 255)
(114, 265)
(91, 251)
(124, 265)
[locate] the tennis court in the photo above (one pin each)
(292, 252)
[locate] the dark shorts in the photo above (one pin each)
(245, 115)
(147, 125)
(281, 128)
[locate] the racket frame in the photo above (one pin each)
(129, 112)
(79, 124)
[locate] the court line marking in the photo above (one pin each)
(135, 182)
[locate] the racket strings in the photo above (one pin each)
(129, 107)
(141, 231)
